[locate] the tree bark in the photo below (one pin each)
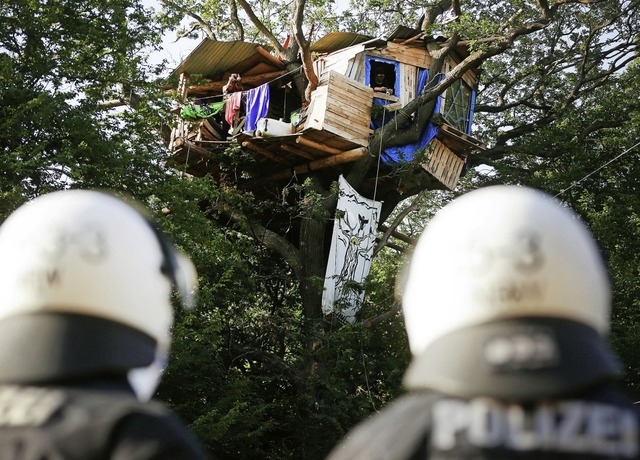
(303, 44)
(314, 223)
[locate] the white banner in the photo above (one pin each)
(354, 235)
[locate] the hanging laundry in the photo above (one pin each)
(232, 107)
(257, 106)
(195, 111)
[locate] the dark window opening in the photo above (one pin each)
(383, 77)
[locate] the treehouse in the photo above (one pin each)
(363, 82)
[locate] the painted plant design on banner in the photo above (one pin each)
(354, 235)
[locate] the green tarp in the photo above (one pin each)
(196, 111)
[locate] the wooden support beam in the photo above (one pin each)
(262, 151)
(270, 57)
(187, 147)
(298, 152)
(318, 146)
(183, 88)
(386, 97)
(248, 81)
(413, 39)
(227, 143)
(393, 106)
(334, 160)
(459, 135)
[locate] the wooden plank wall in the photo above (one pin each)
(342, 107)
(443, 164)
(339, 61)
(415, 56)
(408, 83)
(470, 77)
(350, 62)
(419, 57)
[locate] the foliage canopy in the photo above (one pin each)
(254, 369)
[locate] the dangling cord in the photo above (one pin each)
(366, 375)
(186, 161)
(375, 187)
(573, 184)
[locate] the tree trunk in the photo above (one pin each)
(312, 252)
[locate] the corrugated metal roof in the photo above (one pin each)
(403, 33)
(338, 40)
(213, 57)
(408, 33)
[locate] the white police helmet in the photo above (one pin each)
(85, 287)
(507, 296)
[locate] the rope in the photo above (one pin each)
(186, 161)
(573, 184)
(375, 187)
(270, 81)
(366, 375)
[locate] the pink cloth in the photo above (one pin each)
(232, 106)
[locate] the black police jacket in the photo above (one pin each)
(599, 424)
(63, 423)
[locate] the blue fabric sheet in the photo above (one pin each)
(471, 107)
(406, 153)
(257, 106)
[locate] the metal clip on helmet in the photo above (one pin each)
(85, 283)
(507, 296)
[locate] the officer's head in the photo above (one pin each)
(85, 287)
(507, 296)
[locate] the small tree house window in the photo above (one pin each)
(457, 106)
(383, 77)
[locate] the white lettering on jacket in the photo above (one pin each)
(578, 427)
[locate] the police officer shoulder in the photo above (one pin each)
(86, 283)
(506, 304)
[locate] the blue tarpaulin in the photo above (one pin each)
(405, 153)
(257, 106)
(471, 107)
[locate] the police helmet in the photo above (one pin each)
(85, 288)
(507, 296)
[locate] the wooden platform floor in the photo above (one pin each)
(274, 158)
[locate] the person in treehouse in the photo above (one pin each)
(381, 83)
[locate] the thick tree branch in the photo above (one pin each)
(269, 239)
(432, 13)
(273, 41)
(374, 321)
(201, 23)
(204, 25)
(303, 44)
(235, 20)
(601, 124)
(417, 201)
